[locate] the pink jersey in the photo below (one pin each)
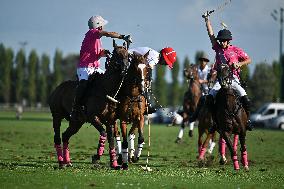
(90, 49)
(229, 56)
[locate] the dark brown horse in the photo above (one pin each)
(191, 97)
(132, 107)
(230, 116)
(98, 108)
(204, 122)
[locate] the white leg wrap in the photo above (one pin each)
(125, 155)
(139, 150)
(118, 143)
(180, 134)
(191, 126)
(131, 145)
(211, 147)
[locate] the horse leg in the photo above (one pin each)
(211, 143)
(181, 130)
(57, 140)
(118, 144)
(112, 152)
(235, 145)
(222, 151)
(140, 140)
(233, 152)
(190, 132)
(200, 134)
(103, 136)
(244, 151)
(71, 130)
(123, 128)
(131, 141)
(204, 147)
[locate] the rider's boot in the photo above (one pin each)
(150, 108)
(246, 105)
(77, 104)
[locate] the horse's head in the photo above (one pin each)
(138, 69)
(191, 72)
(224, 75)
(119, 58)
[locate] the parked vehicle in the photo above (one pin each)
(277, 122)
(265, 113)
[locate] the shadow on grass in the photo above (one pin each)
(43, 119)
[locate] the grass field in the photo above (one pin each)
(27, 160)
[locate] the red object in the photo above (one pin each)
(169, 54)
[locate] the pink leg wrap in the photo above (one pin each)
(222, 146)
(235, 145)
(59, 152)
(245, 158)
(236, 163)
(66, 154)
(112, 155)
(101, 146)
(202, 153)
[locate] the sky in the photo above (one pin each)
(62, 24)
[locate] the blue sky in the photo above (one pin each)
(47, 25)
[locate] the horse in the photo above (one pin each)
(191, 98)
(132, 107)
(99, 109)
(230, 116)
(204, 122)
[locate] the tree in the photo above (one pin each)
(277, 72)
(57, 73)
(7, 74)
(44, 76)
(32, 63)
(20, 75)
(263, 85)
(69, 66)
(174, 95)
(2, 62)
(160, 85)
(184, 87)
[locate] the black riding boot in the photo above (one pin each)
(246, 105)
(150, 108)
(195, 114)
(77, 104)
(210, 105)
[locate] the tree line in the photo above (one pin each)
(29, 78)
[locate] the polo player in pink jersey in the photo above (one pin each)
(233, 56)
(90, 53)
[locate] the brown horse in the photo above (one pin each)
(191, 98)
(231, 117)
(204, 122)
(132, 107)
(98, 108)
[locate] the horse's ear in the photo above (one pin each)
(114, 44)
(146, 55)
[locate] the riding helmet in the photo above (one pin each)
(169, 55)
(203, 56)
(224, 34)
(96, 21)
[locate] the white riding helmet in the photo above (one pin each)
(96, 21)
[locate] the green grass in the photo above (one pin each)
(27, 160)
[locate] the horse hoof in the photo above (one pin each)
(124, 166)
(222, 161)
(178, 141)
(95, 159)
(130, 159)
(61, 165)
(119, 159)
(190, 133)
(68, 164)
(201, 163)
(246, 168)
(116, 167)
(135, 159)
